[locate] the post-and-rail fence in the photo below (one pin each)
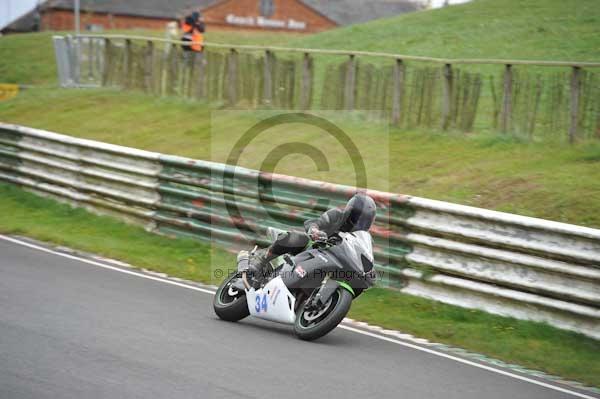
(532, 99)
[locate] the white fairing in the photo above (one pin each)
(272, 302)
(358, 243)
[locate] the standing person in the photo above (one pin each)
(193, 28)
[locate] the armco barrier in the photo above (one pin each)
(506, 264)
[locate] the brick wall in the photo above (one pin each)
(284, 11)
(215, 17)
(64, 20)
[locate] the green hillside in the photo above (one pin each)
(531, 29)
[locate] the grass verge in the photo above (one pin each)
(529, 344)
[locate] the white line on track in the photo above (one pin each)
(356, 330)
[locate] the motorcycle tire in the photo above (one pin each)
(310, 325)
(228, 307)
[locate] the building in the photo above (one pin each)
(280, 15)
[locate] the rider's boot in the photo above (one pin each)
(260, 262)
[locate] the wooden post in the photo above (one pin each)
(447, 99)
(165, 66)
(306, 84)
(90, 58)
(536, 103)
(149, 69)
(495, 101)
(575, 93)
(506, 113)
(107, 62)
(398, 93)
(232, 78)
(128, 64)
(350, 83)
(201, 80)
(268, 78)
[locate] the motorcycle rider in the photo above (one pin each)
(358, 215)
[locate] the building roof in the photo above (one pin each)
(25, 23)
(342, 12)
(348, 12)
(142, 8)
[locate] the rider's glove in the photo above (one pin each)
(317, 235)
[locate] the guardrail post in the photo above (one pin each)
(232, 78)
(350, 83)
(447, 99)
(575, 94)
(398, 93)
(268, 78)
(306, 84)
(128, 63)
(506, 112)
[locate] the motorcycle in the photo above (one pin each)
(312, 290)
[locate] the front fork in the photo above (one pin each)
(326, 290)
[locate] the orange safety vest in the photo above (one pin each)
(186, 28)
(198, 39)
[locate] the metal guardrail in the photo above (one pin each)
(502, 263)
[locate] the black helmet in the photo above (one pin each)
(359, 213)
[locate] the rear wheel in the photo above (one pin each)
(313, 323)
(230, 302)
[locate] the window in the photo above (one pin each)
(267, 8)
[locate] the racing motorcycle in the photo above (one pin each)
(312, 290)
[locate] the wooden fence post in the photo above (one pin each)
(350, 83)
(107, 62)
(232, 78)
(575, 93)
(506, 113)
(268, 78)
(398, 93)
(128, 63)
(201, 78)
(306, 84)
(448, 95)
(90, 58)
(149, 67)
(164, 73)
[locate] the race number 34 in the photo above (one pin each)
(261, 303)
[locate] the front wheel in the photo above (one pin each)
(314, 323)
(229, 302)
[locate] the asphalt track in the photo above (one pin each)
(75, 328)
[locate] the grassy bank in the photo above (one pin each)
(502, 173)
(529, 344)
(512, 29)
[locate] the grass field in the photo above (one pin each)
(529, 344)
(511, 29)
